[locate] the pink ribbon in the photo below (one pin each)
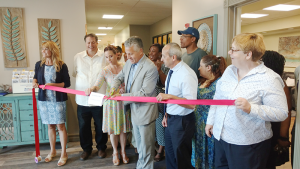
(145, 99)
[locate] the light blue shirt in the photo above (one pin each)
(263, 89)
(183, 83)
(131, 74)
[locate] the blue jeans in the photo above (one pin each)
(85, 115)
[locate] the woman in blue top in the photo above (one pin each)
(52, 71)
(211, 69)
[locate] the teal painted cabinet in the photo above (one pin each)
(16, 121)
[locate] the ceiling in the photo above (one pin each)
(136, 12)
(256, 8)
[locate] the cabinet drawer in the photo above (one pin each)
(27, 115)
(29, 135)
(29, 125)
(26, 105)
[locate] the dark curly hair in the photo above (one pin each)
(159, 46)
(274, 61)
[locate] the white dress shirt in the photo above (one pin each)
(183, 83)
(86, 71)
(263, 89)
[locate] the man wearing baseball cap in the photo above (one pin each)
(193, 55)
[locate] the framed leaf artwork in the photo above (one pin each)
(13, 39)
(49, 30)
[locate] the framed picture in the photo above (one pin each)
(154, 40)
(169, 37)
(289, 47)
(208, 28)
(165, 37)
(159, 40)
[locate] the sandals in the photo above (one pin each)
(62, 161)
(124, 158)
(116, 160)
(49, 157)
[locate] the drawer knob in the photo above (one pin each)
(32, 135)
(30, 114)
(31, 125)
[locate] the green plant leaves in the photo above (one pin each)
(5, 39)
(16, 47)
(15, 31)
(49, 24)
(12, 59)
(15, 39)
(19, 54)
(15, 27)
(15, 35)
(51, 29)
(14, 23)
(5, 35)
(6, 27)
(6, 22)
(15, 18)
(50, 33)
(7, 18)
(11, 38)
(45, 37)
(20, 58)
(45, 29)
(5, 43)
(44, 33)
(8, 13)
(53, 37)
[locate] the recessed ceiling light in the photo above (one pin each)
(104, 27)
(112, 16)
(250, 15)
(100, 33)
(281, 7)
(99, 40)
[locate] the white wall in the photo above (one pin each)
(122, 36)
(146, 32)
(160, 27)
(143, 32)
(72, 25)
(188, 10)
(277, 24)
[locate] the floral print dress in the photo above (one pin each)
(203, 151)
(115, 120)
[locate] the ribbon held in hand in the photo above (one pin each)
(145, 99)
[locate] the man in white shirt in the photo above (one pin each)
(87, 65)
(179, 120)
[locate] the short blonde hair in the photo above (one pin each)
(253, 42)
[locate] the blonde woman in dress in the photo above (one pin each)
(115, 121)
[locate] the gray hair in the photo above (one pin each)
(175, 50)
(136, 41)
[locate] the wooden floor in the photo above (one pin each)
(23, 157)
